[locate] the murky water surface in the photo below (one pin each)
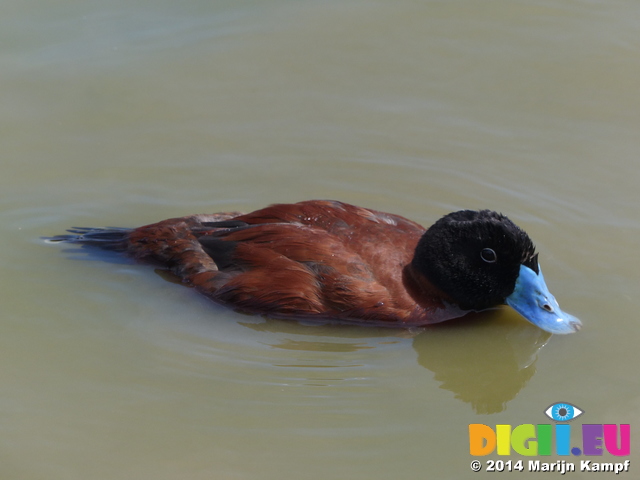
(125, 113)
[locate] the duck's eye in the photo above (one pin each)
(488, 255)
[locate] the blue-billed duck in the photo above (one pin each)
(333, 261)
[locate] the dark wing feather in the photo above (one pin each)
(220, 250)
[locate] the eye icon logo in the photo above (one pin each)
(563, 412)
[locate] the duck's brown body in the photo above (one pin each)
(320, 259)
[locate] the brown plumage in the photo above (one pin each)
(316, 258)
(322, 259)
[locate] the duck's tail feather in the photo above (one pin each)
(107, 238)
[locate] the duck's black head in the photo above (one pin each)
(481, 259)
(475, 257)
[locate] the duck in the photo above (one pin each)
(333, 261)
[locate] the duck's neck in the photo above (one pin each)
(422, 290)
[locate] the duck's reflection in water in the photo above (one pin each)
(485, 359)
(484, 363)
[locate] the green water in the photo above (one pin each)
(125, 113)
